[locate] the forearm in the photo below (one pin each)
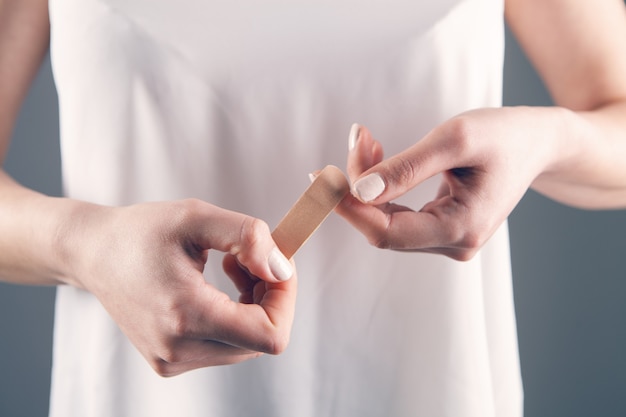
(579, 49)
(588, 165)
(34, 235)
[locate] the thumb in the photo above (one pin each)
(245, 237)
(363, 151)
(396, 175)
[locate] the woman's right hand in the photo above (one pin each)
(144, 263)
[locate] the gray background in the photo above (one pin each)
(569, 271)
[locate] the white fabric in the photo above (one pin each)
(235, 102)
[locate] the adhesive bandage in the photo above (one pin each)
(308, 213)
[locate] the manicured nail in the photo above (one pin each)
(354, 136)
(369, 187)
(279, 265)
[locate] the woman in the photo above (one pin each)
(231, 104)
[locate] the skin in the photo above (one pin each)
(573, 153)
(146, 272)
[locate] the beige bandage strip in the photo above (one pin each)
(311, 209)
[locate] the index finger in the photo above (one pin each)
(390, 226)
(263, 327)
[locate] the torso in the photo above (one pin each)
(235, 103)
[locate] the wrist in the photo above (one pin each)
(561, 131)
(586, 169)
(69, 239)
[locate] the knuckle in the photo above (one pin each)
(184, 211)
(276, 338)
(162, 368)
(403, 171)
(467, 242)
(461, 134)
(170, 351)
(252, 232)
(380, 242)
(382, 236)
(179, 322)
(278, 343)
(169, 356)
(465, 237)
(464, 255)
(189, 206)
(471, 240)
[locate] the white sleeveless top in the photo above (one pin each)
(235, 102)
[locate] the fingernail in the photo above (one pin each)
(354, 136)
(312, 176)
(369, 187)
(279, 265)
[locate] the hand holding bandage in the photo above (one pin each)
(487, 159)
(329, 187)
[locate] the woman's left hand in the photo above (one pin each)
(488, 158)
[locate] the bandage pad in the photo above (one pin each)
(311, 209)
